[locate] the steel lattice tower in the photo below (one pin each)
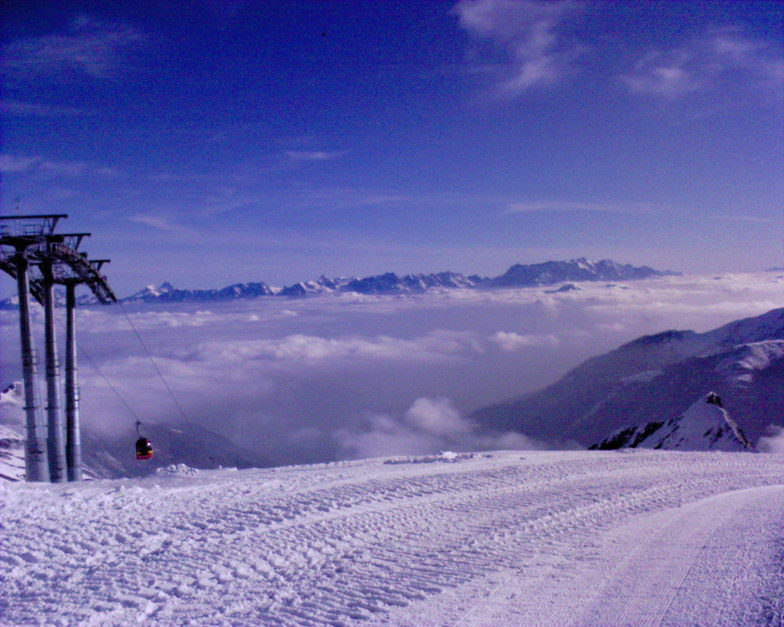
(38, 258)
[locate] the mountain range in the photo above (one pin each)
(518, 275)
(656, 378)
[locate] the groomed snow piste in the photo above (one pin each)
(506, 538)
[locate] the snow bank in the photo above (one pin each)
(177, 469)
(447, 457)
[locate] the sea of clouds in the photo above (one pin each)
(348, 376)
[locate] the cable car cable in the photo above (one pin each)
(109, 383)
(86, 355)
(143, 446)
(149, 355)
(140, 454)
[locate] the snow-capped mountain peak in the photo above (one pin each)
(322, 285)
(705, 426)
(155, 290)
(580, 269)
(166, 292)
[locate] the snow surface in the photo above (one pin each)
(502, 538)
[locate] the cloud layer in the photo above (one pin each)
(774, 442)
(318, 379)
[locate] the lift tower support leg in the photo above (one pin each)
(73, 441)
(36, 463)
(55, 440)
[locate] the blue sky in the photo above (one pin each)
(211, 142)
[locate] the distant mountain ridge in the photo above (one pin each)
(549, 273)
(518, 275)
(167, 293)
(573, 270)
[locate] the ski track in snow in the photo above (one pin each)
(513, 538)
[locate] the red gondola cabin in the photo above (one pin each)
(143, 448)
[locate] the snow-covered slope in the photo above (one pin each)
(389, 283)
(12, 302)
(509, 538)
(12, 465)
(768, 326)
(656, 378)
(705, 426)
(13, 397)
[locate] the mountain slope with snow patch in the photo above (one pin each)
(656, 378)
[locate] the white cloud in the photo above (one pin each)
(527, 32)
(91, 47)
(437, 416)
(313, 155)
(773, 443)
(751, 219)
(34, 109)
(17, 163)
(23, 164)
(664, 75)
(513, 342)
(719, 58)
(430, 425)
(563, 205)
(62, 168)
(159, 222)
(300, 350)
